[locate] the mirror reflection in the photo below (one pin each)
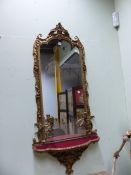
(62, 89)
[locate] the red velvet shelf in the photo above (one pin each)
(65, 142)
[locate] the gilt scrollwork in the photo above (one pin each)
(60, 33)
(68, 158)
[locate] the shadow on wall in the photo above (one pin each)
(45, 163)
(100, 173)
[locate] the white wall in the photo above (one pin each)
(20, 22)
(124, 34)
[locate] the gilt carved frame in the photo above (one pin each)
(69, 156)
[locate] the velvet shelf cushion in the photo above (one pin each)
(65, 142)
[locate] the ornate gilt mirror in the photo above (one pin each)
(64, 126)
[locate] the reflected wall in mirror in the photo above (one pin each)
(62, 89)
(63, 114)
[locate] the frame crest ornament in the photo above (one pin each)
(69, 156)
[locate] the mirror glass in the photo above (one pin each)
(62, 91)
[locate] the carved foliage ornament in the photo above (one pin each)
(69, 156)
